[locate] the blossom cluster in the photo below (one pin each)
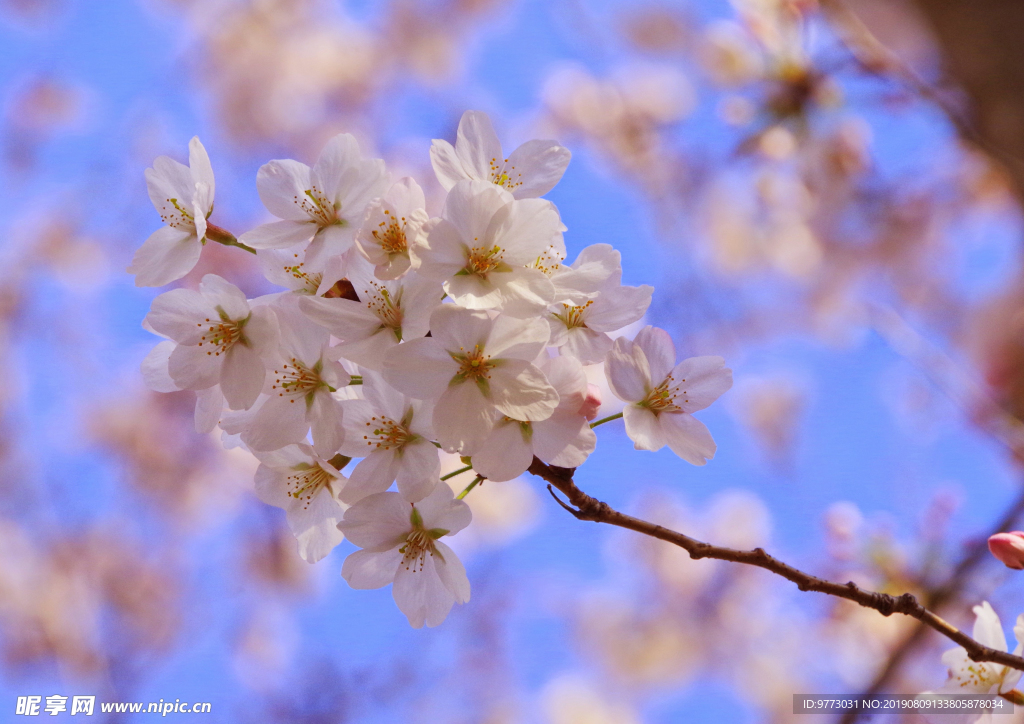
(399, 334)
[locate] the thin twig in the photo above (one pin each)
(592, 509)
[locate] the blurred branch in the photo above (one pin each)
(585, 507)
(935, 598)
(983, 53)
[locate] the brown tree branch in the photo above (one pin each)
(585, 507)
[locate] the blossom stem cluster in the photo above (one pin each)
(400, 332)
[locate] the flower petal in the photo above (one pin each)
(541, 165)
(701, 381)
(279, 234)
(688, 437)
(371, 569)
(282, 186)
(168, 254)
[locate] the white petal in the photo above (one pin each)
(477, 145)
(505, 454)
(168, 254)
(513, 338)
(524, 292)
(325, 415)
(371, 569)
(440, 509)
(527, 230)
(618, 307)
(168, 180)
(193, 368)
(577, 451)
(241, 376)
(200, 168)
(701, 381)
(421, 594)
(377, 521)
(541, 165)
(278, 422)
(446, 164)
(339, 156)
(179, 314)
(626, 368)
(420, 368)
(471, 206)
(282, 186)
(347, 320)
(988, 629)
(553, 435)
(643, 428)
(522, 391)
(154, 368)
(373, 474)
(419, 470)
(452, 573)
(688, 437)
(219, 292)
(315, 525)
(462, 418)
(598, 267)
(209, 408)
(659, 351)
(586, 345)
(279, 234)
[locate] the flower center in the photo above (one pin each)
(473, 365)
(319, 208)
(418, 544)
(482, 261)
(391, 235)
(386, 434)
(504, 175)
(663, 397)
(307, 481)
(308, 283)
(549, 261)
(177, 216)
(574, 316)
(386, 306)
(295, 380)
(221, 336)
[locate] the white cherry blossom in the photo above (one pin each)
(580, 330)
(564, 439)
(663, 395)
(401, 545)
(394, 229)
(210, 402)
(220, 340)
(306, 486)
(981, 678)
(183, 195)
(387, 312)
(474, 365)
(297, 393)
(325, 203)
(482, 245)
(392, 433)
(531, 170)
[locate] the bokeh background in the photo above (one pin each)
(811, 193)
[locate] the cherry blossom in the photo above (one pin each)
(1008, 548)
(392, 433)
(564, 439)
(387, 312)
(531, 170)
(297, 392)
(401, 545)
(664, 397)
(183, 196)
(483, 244)
(393, 229)
(306, 486)
(474, 365)
(220, 340)
(981, 678)
(323, 205)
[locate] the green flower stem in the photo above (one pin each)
(457, 472)
(225, 237)
(356, 380)
(603, 420)
(476, 481)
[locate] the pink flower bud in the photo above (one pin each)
(1008, 548)
(593, 401)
